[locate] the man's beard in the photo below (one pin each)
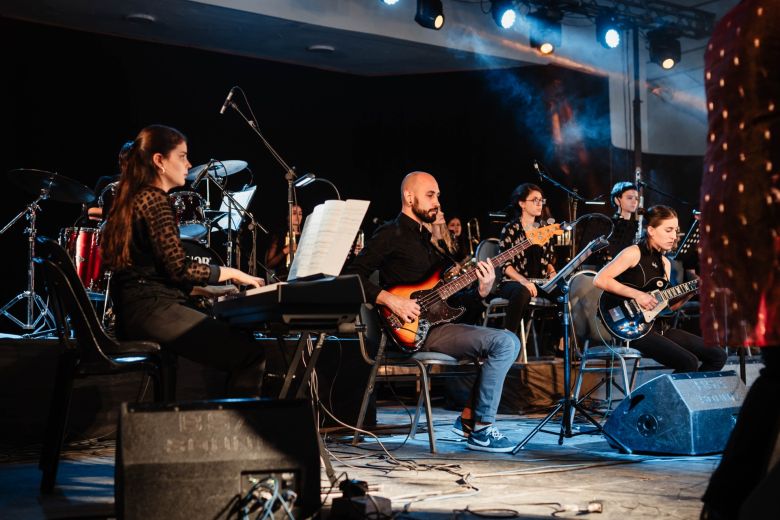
(427, 217)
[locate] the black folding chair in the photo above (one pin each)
(86, 350)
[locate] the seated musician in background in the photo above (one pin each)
(637, 265)
(625, 199)
(277, 257)
(92, 213)
(536, 262)
(402, 252)
(455, 226)
(152, 276)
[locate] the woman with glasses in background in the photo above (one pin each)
(527, 203)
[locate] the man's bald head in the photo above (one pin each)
(420, 196)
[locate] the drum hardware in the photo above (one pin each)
(223, 169)
(188, 209)
(106, 199)
(46, 185)
(217, 170)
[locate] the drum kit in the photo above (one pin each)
(191, 211)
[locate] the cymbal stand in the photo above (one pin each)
(245, 214)
(568, 404)
(39, 318)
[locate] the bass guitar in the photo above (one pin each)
(627, 320)
(431, 295)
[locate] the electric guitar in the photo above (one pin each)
(627, 320)
(431, 295)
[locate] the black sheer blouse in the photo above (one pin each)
(151, 294)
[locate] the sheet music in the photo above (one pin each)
(328, 234)
(242, 197)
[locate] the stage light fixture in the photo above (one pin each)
(430, 14)
(389, 2)
(664, 48)
(503, 13)
(545, 30)
(608, 31)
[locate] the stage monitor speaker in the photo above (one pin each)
(200, 459)
(680, 414)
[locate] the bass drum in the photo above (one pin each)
(584, 302)
(199, 253)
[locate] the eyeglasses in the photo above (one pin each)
(537, 201)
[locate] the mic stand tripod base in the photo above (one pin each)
(568, 404)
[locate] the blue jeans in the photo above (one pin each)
(498, 349)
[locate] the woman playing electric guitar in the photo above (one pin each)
(638, 265)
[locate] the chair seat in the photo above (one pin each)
(126, 348)
(438, 358)
(608, 352)
(539, 301)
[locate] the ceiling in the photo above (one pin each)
(363, 37)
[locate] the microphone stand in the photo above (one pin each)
(289, 172)
(244, 213)
(573, 197)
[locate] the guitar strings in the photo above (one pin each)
(434, 296)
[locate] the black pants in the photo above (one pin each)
(518, 297)
(750, 446)
(214, 343)
(681, 351)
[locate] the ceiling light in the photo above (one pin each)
(503, 13)
(389, 2)
(664, 48)
(430, 14)
(545, 30)
(608, 31)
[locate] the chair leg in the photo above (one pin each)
(523, 344)
(57, 421)
(428, 411)
(419, 405)
(369, 387)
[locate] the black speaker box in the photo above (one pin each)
(680, 414)
(196, 460)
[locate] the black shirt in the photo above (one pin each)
(651, 265)
(402, 252)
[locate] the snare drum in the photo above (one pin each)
(107, 197)
(83, 247)
(188, 208)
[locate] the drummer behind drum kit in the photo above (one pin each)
(191, 212)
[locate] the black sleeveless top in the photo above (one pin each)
(651, 265)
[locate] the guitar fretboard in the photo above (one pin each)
(466, 279)
(679, 290)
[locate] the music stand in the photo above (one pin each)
(569, 404)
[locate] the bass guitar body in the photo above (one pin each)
(410, 337)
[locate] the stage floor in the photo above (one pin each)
(533, 484)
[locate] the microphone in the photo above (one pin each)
(227, 101)
(641, 184)
(536, 167)
(202, 174)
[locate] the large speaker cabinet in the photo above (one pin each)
(684, 414)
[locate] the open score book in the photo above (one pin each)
(327, 237)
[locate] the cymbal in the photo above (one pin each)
(218, 169)
(61, 188)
